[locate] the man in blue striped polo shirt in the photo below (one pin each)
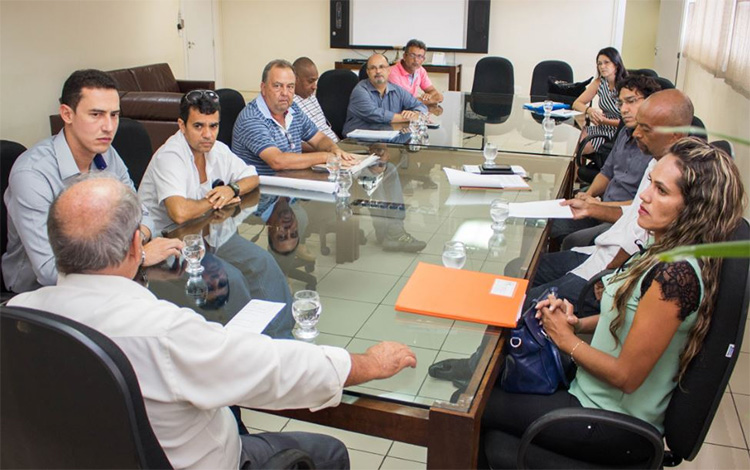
(269, 132)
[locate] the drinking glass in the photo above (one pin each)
(306, 310)
(193, 251)
(333, 165)
(490, 152)
(344, 180)
(454, 255)
(499, 210)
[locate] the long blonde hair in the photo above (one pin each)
(714, 198)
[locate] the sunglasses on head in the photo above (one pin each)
(194, 96)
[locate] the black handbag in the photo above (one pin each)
(533, 363)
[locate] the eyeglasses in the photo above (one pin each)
(377, 67)
(630, 100)
(416, 56)
(194, 96)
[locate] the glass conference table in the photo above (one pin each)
(469, 120)
(346, 261)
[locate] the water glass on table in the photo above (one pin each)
(499, 211)
(490, 153)
(454, 254)
(193, 251)
(306, 310)
(333, 165)
(344, 181)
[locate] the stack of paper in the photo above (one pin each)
(363, 163)
(463, 295)
(464, 179)
(328, 187)
(299, 194)
(380, 136)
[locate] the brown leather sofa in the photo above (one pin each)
(151, 95)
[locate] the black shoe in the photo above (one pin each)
(403, 242)
(451, 369)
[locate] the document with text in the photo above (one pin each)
(255, 316)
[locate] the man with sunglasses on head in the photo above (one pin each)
(270, 130)
(409, 74)
(90, 110)
(193, 173)
(597, 208)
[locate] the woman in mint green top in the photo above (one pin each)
(653, 318)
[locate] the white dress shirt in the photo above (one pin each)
(622, 234)
(172, 172)
(190, 370)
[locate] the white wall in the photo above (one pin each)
(524, 31)
(43, 41)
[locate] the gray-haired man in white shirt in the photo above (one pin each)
(189, 369)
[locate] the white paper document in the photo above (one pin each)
(363, 163)
(299, 194)
(364, 134)
(540, 210)
(471, 180)
(564, 113)
(298, 183)
(255, 316)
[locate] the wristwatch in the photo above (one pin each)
(236, 188)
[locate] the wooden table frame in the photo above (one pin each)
(451, 437)
(453, 71)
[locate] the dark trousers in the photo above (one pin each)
(325, 451)
(553, 272)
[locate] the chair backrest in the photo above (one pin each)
(696, 399)
(362, 72)
(664, 83)
(133, 144)
(493, 75)
(232, 102)
(334, 89)
(724, 145)
(70, 398)
(646, 72)
(543, 71)
(697, 122)
(9, 152)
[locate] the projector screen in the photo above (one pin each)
(439, 24)
(444, 25)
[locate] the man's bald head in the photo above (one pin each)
(666, 108)
(378, 70)
(306, 77)
(91, 224)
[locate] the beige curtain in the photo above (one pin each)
(738, 64)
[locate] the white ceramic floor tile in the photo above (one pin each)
(464, 337)
(332, 340)
(343, 317)
(409, 380)
(263, 421)
(746, 339)
(352, 440)
(725, 428)
(405, 451)
(391, 463)
(742, 402)
(359, 460)
(413, 330)
(373, 259)
(439, 389)
(392, 296)
(718, 457)
(740, 380)
(354, 285)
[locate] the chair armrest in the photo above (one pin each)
(590, 285)
(609, 418)
(187, 85)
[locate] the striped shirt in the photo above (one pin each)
(255, 130)
(311, 107)
(608, 105)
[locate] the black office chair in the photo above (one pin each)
(231, 102)
(646, 72)
(362, 72)
(589, 165)
(725, 146)
(493, 75)
(697, 122)
(71, 400)
(9, 152)
(665, 83)
(542, 73)
(133, 144)
(334, 89)
(691, 408)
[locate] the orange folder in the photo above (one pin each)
(458, 294)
